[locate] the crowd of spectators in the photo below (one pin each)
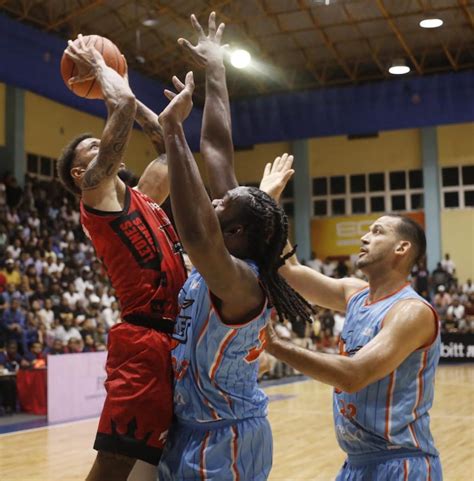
(55, 297)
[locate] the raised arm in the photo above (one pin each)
(217, 148)
(100, 175)
(229, 279)
(154, 180)
(315, 287)
(408, 326)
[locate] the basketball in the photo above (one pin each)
(90, 89)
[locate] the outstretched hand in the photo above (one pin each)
(209, 48)
(181, 103)
(86, 57)
(276, 176)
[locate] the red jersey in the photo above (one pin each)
(141, 253)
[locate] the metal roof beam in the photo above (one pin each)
(399, 36)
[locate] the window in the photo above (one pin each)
(398, 202)
(32, 164)
(376, 182)
(358, 205)
(40, 166)
(397, 180)
(457, 186)
(320, 186)
(415, 179)
(468, 175)
(400, 190)
(451, 199)
(416, 201)
(338, 206)
(469, 198)
(320, 208)
(338, 184)
(357, 183)
(450, 176)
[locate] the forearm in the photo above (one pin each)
(115, 90)
(216, 136)
(335, 370)
(148, 121)
(194, 215)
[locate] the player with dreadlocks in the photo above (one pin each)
(235, 243)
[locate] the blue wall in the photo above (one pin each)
(30, 58)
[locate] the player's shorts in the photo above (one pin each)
(138, 408)
(229, 451)
(406, 467)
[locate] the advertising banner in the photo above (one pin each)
(75, 386)
(457, 348)
(340, 236)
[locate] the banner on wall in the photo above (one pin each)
(457, 348)
(340, 236)
(76, 386)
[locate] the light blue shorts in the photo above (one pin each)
(220, 451)
(404, 468)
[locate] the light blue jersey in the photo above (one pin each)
(221, 431)
(390, 415)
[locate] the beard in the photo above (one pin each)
(128, 177)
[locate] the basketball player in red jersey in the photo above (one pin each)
(142, 255)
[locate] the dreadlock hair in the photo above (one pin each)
(65, 163)
(267, 236)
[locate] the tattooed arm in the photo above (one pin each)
(154, 180)
(101, 187)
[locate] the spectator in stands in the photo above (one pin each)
(455, 315)
(13, 191)
(75, 345)
(448, 265)
(328, 267)
(63, 329)
(421, 280)
(11, 273)
(56, 348)
(439, 277)
(468, 287)
(35, 356)
(11, 359)
(442, 297)
(14, 321)
(341, 269)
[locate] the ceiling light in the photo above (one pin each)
(150, 22)
(240, 58)
(431, 22)
(399, 67)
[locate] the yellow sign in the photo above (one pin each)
(340, 236)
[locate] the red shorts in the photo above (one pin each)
(138, 409)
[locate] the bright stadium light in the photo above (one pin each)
(431, 22)
(399, 67)
(240, 58)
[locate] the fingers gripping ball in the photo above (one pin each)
(90, 89)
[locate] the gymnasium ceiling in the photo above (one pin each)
(295, 44)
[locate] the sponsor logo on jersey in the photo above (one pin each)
(135, 233)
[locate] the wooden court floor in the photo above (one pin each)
(305, 448)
